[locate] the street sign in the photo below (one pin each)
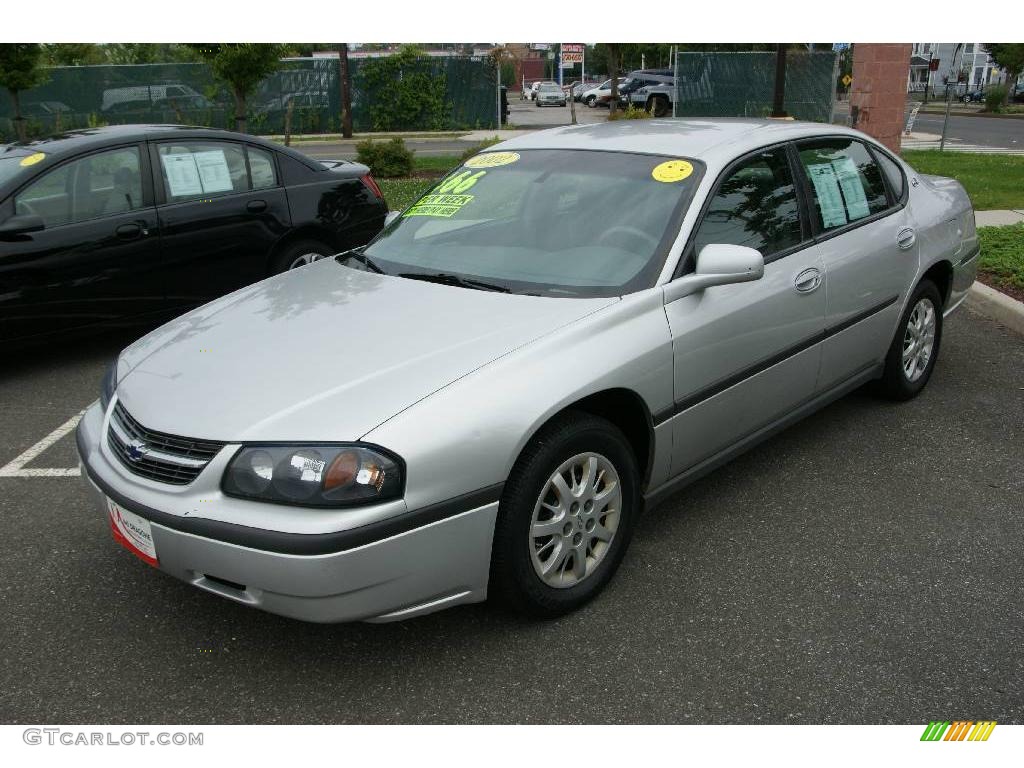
(572, 53)
(840, 46)
(846, 80)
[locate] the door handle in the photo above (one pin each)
(129, 231)
(808, 280)
(906, 238)
(256, 206)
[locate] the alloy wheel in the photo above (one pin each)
(919, 339)
(575, 519)
(305, 259)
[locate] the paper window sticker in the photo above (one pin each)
(830, 199)
(213, 171)
(852, 187)
(182, 175)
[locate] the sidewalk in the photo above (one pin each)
(998, 218)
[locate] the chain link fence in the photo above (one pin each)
(743, 84)
(91, 96)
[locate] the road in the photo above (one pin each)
(863, 566)
(1001, 132)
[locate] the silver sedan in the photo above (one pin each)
(566, 329)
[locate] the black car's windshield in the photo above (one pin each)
(552, 222)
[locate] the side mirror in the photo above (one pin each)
(392, 215)
(718, 264)
(22, 225)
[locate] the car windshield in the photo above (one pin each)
(550, 87)
(551, 222)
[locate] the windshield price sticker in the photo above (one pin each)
(31, 159)
(492, 160)
(672, 171)
(443, 206)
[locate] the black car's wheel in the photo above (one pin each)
(299, 254)
(566, 516)
(915, 347)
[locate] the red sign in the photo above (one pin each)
(572, 53)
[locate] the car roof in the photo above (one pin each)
(716, 141)
(74, 142)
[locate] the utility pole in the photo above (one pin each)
(346, 94)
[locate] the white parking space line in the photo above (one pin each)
(16, 468)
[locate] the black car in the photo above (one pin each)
(145, 221)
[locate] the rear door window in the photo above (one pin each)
(201, 170)
(845, 182)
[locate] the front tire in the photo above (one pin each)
(591, 100)
(915, 347)
(565, 518)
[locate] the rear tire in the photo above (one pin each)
(590, 514)
(915, 347)
(299, 254)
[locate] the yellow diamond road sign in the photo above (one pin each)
(847, 80)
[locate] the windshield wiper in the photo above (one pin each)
(445, 278)
(358, 255)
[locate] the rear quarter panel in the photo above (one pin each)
(944, 220)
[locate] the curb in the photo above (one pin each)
(996, 306)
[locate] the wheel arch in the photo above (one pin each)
(624, 408)
(940, 273)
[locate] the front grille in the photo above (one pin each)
(156, 455)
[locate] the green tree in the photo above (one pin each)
(73, 54)
(1009, 56)
(242, 66)
(21, 68)
(149, 53)
(408, 93)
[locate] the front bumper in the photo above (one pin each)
(368, 573)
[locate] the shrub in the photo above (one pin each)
(409, 92)
(477, 148)
(994, 98)
(631, 113)
(385, 158)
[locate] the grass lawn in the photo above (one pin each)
(403, 192)
(994, 182)
(1002, 257)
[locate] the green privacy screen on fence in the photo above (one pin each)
(458, 93)
(743, 85)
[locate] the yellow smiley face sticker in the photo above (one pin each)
(492, 159)
(31, 159)
(673, 170)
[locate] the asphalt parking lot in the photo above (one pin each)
(864, 566)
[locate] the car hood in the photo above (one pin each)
(323, 353)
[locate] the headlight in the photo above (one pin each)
(108, 386)
(314, 475)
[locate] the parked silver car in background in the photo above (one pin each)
(482, 400)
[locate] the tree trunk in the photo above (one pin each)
(346, 92)
(779, 102)
(613, 65)
(19, 121)
(1011, 83)
(240, 124)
